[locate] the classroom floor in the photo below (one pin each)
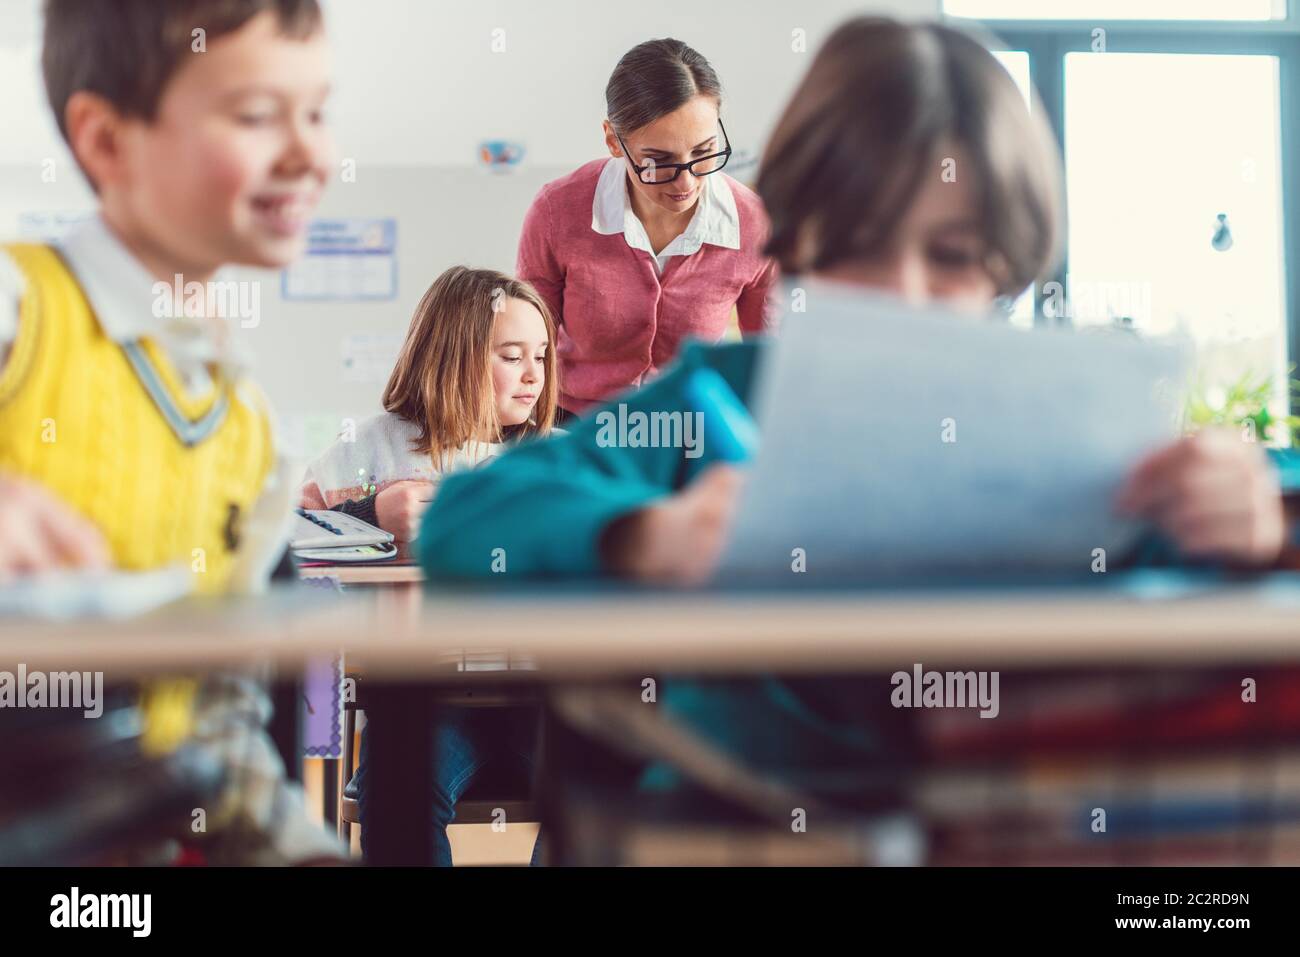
(471, 844)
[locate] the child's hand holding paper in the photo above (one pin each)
(1215, 495)
(678, 540)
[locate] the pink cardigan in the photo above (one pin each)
(619, 320)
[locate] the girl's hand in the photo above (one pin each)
(38, 533)
(1215, 495)
(679, 540)
(400, 507)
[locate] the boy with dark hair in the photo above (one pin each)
(198, 124)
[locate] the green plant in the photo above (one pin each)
(1243, 401)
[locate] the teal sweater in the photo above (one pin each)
(546, 503)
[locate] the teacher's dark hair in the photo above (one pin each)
(653, 79)
(879, 110)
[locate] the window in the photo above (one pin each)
(1157, 147)
(1183, 214)
(1017, 64)
(1091, 10)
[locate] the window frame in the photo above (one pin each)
(1048, 41)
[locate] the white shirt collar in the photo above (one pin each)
(122, 294)
(715, 221)
(119, 289)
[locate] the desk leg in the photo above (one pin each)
(399, 773)
(547, 800)
(330, 791)
(286, 722)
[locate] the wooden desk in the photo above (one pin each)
(404, 638)
(402, 633)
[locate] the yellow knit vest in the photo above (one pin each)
(77, 416)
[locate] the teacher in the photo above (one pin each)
(654, 244)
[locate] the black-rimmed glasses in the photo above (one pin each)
(656, 174)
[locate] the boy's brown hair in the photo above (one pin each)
(443, 378)
(127, 50)
(868, 122)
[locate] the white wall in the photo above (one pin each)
(418, 87)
